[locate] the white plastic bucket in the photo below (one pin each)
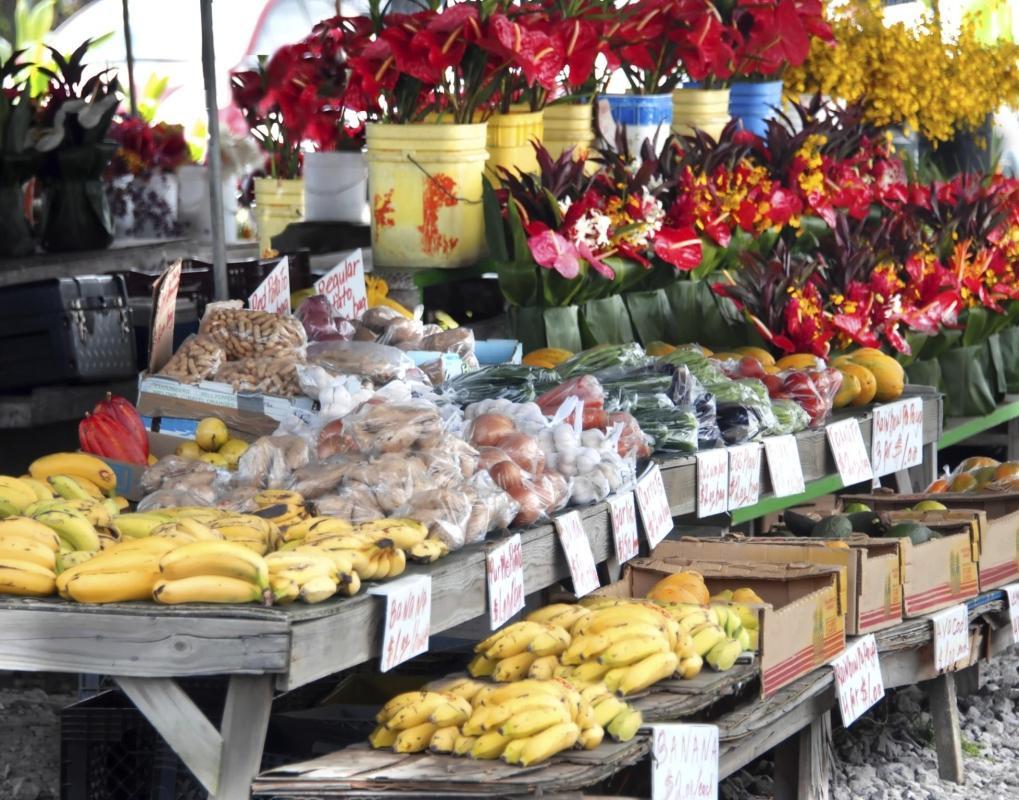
(336, 187)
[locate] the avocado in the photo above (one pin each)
(857, 508)
(917, 534)
(866, 522)
(930, 505)
(800, 523)
(836, 526)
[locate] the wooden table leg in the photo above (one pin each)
(245, 722)
(945, 717)
(803, 762)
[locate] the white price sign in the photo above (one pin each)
(578, 553)
(655, 512)
(684, 762)
(624, 526)
(744, 475)
(913, 423)
(1012, 590)
(784, 465)
(849, 451)
(164, 312)
(505, 580)
(344, 286)
(712, 482)
(408, 618)
(273, 294)
(951, 636)
(887, 439)
(858, 680)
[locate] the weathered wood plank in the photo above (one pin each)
(803, 763)
(945, 720)
(154, 646)
(245, 722)
(180, 722)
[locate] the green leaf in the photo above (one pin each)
(518, 277)
(495, 228)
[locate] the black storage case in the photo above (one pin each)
(65, 330)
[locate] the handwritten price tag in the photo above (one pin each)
(624, 526)
(273, 294)
(164, 312)
(1012, 590)
(888, 439)
(849, 451)
(784, 465)
(744, 475)
(408, 618)
(912, 422)
(951, 636)
(655, 511)
(684, 763)
(578, 553)
(712, 482)
(858, 680)
(344, 286)
(505, 581)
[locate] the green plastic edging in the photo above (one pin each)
(814, 489)
(978, 425)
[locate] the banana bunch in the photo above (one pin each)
(310, 575)
(739, 602)
(126, 571)
(209, 571)
(371, 549)
(84, 469)
(717, 635)
(524, 723)
(255, 533)
(281, 507)
(186, 530)
(28, 557)
(526, 648)
(139, 524)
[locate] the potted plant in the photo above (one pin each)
(279, 196)
(657, 45)
(75, 116)
(16, 158)
(308, 81)
(142, 177)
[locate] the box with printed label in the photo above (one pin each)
(802, 623)
(999, 534)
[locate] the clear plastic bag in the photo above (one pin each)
(403, 333)
(356, 504)
(318, 318)
(269, 462)
(171, 498)
(271, 376)
(337, 395)
(244, 333)
(378, 428)
(377, 362)
(585, 388)
(376, 319)
(170, 470)
(196, 360)
(446, 512)
(631, 442)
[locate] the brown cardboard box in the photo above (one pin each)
(873, 581)
(999, 536)
(129, 476)
(802, 623)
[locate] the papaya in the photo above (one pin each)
(681, 587)
(849, 390)
(800, 361)
(546, 357)
(659, 349)
(866, 379)
(888, 373)
(762, 355)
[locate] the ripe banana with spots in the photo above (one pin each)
(26, 578)
(206, 589)
(81, 465)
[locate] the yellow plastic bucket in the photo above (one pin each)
(509, 142)
(278, 203)
(568, 126)
(424, 181)
(700, 109)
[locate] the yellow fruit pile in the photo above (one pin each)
(523, 723)
(868, 375)
(213, 445)
(546, 357)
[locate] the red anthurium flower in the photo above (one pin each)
(553, 251)
(679, 247)
(595, 261)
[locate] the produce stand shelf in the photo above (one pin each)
(974, 430)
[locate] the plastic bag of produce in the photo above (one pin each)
(244, 333)
(355, 503)
(814, 390)
(631, 440)
(377, 319)
(319, 320)
(337, 395)
(271, 376)
(403, 333)
(673, 429)
(492, 508)
(602, 357)
(741, 422)
(706, 370)
(526, 417)
(197, 359)
(459, 341)
(585, 388)
(173, 498)
(512, 382)
(446, 512)
(790, 415)
(379, 427)
(269, 462)
(377, 362)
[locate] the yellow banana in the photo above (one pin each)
(112, 587)
(511, 640)
(428, 551)
(206, 589)
(463, 745)
(21, 548)
(512, 668)
(349, 584)
(284, 590)
(417, 711)
(66, 561)
(547, 743)
(543, 667)
(444, 739)
(27, 528)
(25, 578)
(42, 490)
(317, 589)
(274, 497)
(513, 751)
(481, 666)
(551, 641)
(72, 528)
(590, 672)
(70, 489)
(81, 464)
(629, 651)
(405, 533)
(464, 687)
(416, 739)
(691, 667)
(625, 726)
(394, 704)
(15, 491)
(706, 638)
(607, 709)
(138, 525)
(453, 711)
(382, 737)
(591, 737)
(723, 655)
(649, 671)
(489, 745)
(397, 563)
(220, 558)
(535, 720)
(500, 713)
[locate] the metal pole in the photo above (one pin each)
(129, 49)
(215, 161)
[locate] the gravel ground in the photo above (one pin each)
(30, 740)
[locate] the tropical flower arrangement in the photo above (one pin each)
(910, 76)
(144, 148)
(259, 104)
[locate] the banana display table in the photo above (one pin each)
(144, 647)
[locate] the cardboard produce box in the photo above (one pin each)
(802, 622)
(999, 534)
(872, 577)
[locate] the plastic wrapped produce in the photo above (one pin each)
(602, 357)
(391, 428)
(269, 462)
(337, 395)
(706, 370)
(377, 362)
(526, 417)
(446, 512)
(378, 318)
(244, 333)
(585, 388)
(172, 498)
(739, 423)
(271, 376)
(673, 430)
(791, 416)
(813, 390)
(504, 381)
(318, 318)
(356, 504)
(170, 469)
(403, 333)
(459, 341)
(632, 441)
(197, 359)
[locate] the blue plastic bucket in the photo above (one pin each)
(645, 117)
(753, 104)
